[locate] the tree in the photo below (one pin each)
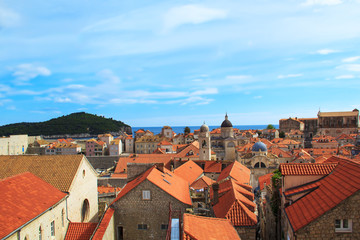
(270, 126)
(281, 134)
(187, 130)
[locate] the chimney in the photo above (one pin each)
(160, 166)
(215, 188)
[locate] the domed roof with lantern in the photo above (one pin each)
(204, 128)
(259, 146)
(226, 122)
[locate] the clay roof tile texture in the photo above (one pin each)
(19, 206)
(204, 228)
(58, 170)
(306, 168)
(342, 183)
(80, 231)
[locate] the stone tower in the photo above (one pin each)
(204, 143)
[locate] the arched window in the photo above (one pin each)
(85, 211)
(260, 165)
(231, 144)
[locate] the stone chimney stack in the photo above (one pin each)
(215, 188)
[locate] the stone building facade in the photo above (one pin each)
(285, 125)
(324, 226)
(142, 212)
(337, 123)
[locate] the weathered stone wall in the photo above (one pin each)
(287, 124)
(246, 233)
(31, 230)
(131, 210)
(324, 227)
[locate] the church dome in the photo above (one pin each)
(204, 128)
(259, 146)
(226, 122)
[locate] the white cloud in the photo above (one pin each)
(326, 51)
(351, 59)
(108, 76)
(206, 91)
(321, 2)
(25, 72)
(8, 18)
(350, 67)
(257, 97)
(62, 100)
(190, 14)
(345, 77)
(290, 76)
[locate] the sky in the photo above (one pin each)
(178, 63)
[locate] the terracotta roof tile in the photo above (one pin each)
(80, 231)
(104, 189)
(103, 225)
(212, 167)
(236, 171)
(203, 182)
(174, 185)
(189, 171)
(343, 182)
(23, 198)
(205, 228)
(306, 168)
(121, 167)
(58, 170)
(265, 179)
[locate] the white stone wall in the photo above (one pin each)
(84, 186)
(14, 145)
(110, 231)
(31, 230)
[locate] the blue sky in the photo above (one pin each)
(155, 63)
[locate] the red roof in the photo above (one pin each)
(205, 228)
(212, 167)
(80, 231)
(189, 171)
(121, 167)
(174, 185)
(103, 225)
(236, 171)
(104, 189)
(306, 168)
(23, 198)
(332, 190)
(231, 207)
(203, 182)
(265, 179)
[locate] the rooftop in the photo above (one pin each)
(23, 198)
(306, 168)
(80, 231)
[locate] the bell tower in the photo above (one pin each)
(204, 143)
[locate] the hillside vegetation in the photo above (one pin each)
(75, 123)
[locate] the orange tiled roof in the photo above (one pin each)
(189, 171)
(164, 142)
(236, 171)
(103, 225)
(80, 231)
(174, 185)
(265, 179)
(58, 170)
(232, 208)
(203, 182)
(212, 167)
(23, 198)
(233, 185)
(185, 152)
(204, 228)
(332, 190)
(279, 152)
(121, 166)
(104, 189)
(306, 168)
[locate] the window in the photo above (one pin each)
(142, 226)
(164, 226)
(343, 225)
(40, 233)
(146, 194)
(62, 218)
(52, 228)
(85, 211)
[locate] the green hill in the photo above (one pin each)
(75, 123)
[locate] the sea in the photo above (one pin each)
(180, 129)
